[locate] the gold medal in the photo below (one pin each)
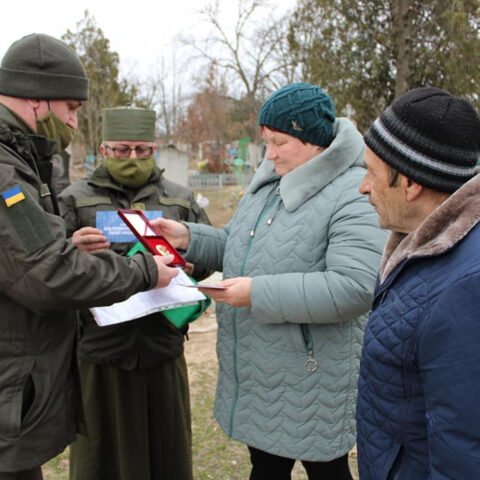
(162, 250)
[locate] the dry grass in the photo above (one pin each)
(222, 204)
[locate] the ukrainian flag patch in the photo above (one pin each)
(13, 196)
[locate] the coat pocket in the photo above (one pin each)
(17, 397)
(30, 399)
(302, 341)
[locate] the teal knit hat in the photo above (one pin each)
(40, 66)
(301, 110)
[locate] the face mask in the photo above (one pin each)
(52, 127)
(131, 172)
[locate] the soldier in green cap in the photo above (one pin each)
(133, 375)
(43, 275)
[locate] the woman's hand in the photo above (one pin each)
(90, 240)
(237, 293)
(175, 232)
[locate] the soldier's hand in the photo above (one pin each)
(90, 240)
(188, 268)
(175, 232)
(165, 274)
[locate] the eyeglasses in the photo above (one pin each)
(141, 151)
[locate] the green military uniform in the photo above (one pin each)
(133, 375)
(42, 277)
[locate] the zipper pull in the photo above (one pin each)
(252, 233)
(269, 221)
(311, 365)
(44, 190)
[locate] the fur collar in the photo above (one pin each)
(439, 232)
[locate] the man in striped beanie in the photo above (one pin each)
(430, 136)
(420, 364)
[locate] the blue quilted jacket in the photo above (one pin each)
(289, 363)
(419, 388)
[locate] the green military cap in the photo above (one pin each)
(131, 124)
(41, 66)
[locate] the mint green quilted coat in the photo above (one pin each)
(288, 365)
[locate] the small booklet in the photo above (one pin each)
(145, 303)
(203, 285)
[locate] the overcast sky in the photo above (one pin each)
(140, 31)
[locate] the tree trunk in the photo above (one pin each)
(402, 14)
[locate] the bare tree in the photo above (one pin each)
(162, 91)
(210, 119)
(101, 63)
(254, 53)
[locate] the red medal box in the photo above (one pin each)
(154, 243)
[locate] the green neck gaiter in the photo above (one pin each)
(131, 172)
(52, 127)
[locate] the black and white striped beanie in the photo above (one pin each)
(430, 136)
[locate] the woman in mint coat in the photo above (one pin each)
(299, 260)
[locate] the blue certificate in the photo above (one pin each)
(114, 228)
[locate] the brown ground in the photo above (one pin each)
(200, 347)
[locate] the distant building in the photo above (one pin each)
(175, 163)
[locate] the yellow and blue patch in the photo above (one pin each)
(13, 196)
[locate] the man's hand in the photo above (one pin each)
(175, 232)
(237, 294)
(90, 240)
(165, 274)
(188, 268)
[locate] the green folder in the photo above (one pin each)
(178, 316)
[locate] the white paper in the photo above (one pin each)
(145, 303)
